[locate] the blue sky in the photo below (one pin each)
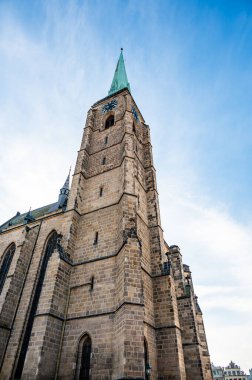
(189, 66)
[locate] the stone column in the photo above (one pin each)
(11, 299)
(44, 345)
(170, 356)
(128, 320)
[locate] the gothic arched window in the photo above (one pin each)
(50, 246)
(110, 121)
(5, 264)
(84, 358)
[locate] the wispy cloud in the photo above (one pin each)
(47, 93)
(218, 250)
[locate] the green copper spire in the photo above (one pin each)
(120, 79)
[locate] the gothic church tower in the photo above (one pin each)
(89, 289)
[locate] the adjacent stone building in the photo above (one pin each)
(89, 287)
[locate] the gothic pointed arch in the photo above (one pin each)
(50, 245)
(5, 263)
(84, 357)
(50, 242)
(110, 121)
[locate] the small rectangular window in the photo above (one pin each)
(96, 238)
(101, 191)
(104, 161)
(106, 140)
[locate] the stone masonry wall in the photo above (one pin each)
(107, 277)
(25, 240)
(62, 223)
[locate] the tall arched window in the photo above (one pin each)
(51, 245)
(110, 121)
(84, 358)
(5, 264)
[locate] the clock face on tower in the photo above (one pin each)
(109, 106)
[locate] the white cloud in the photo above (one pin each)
(218, 250)
(42, 112)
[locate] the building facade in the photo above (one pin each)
(234, 372)
(89, 287)
(250, 374)
(218, 372)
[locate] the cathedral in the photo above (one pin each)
(89, 288)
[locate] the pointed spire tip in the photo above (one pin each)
(120, 80)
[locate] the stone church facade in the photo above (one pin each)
(89, 289)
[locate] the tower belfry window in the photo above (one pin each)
(110, 121)
(5, 264)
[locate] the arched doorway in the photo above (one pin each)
(84, 358)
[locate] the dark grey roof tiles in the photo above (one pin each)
(37, 213)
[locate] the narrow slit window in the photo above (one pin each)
(104, 161)
(134, 128)
(106, 140)
(96, 238)
(101, 191)
(146, 358)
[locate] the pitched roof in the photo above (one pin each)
(37, 213)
